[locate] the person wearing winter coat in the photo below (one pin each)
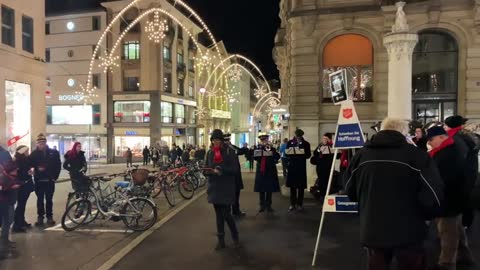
(266, 176)
(146, 156)
(47, 166)
(420, 139)
(398, 187)
(8, 197)
(221, 186)
(76, 164)
(155, 155)
(453, 240)
(469, 147)
(323, 157)
(298, 152)
(25, 180)
(129, 156)
(238, 176)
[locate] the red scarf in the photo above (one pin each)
(263, 165)
(454, 131)
(217, 155)
(444, 144)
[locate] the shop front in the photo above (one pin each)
(134, 139)
(94, 145)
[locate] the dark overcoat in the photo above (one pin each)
(267, 181)
(221, 188)
(297, 163)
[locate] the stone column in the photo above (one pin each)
(400, 44)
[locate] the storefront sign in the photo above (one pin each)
(220, 114)
(131, 133)
(137, 131)
(131, 97)
(70, 97)
(179, 101)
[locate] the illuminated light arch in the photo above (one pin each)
(220, 77)
(268, 96)
(120, 15)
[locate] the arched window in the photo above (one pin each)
(435, 76)
(354, 53)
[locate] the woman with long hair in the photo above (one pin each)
(76, 164)
(221, 186)
(25, 180)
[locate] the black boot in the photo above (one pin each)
(236, 241)
(220, 243)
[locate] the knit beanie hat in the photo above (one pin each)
(217, 134)
(22, 149)
(435, 131)
(455, 121)
(41, 138)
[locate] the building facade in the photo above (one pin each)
(70, 42)
(22, 71)
(151, 95)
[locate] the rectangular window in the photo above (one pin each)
(192, 115)
(166, 112)
(191, 65)
(47, 55)
(135, 143)
(179, 114)
(73, 115)
(167, 55)
(180, 58)
(181, 87)
(96, 23)
(27, 34)
(132, 84)
(131, 111)
(131, 50)
(8, 26)
(190, 90)
(96, 80)
(180, 33)
(167, 83)
(47, 28)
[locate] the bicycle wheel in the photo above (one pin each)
(194, 180)
(186, 188)
(157, 188)
(76, 215)
(94, 209)
(139, 215)
(169, 194)
(202, 179)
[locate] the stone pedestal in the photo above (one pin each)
(400, 48)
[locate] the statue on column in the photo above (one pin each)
(401, 24)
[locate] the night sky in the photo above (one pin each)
(246, 27)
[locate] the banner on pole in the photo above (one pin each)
(339, 204)
(349, 133)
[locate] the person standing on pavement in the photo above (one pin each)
(283, 148)
(146, 156)
(24, 179)
(8, 196)
(323, 157)
(298, 151)
(398, 187)
(468, 145)
(451, 164)
(266, 176)
(47, 166)
(221, 186)
(129, 156)
(420, 139)
(76, 164)
(251, 158)
(238, 175)
(155, 156)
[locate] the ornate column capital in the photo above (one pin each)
(400, 45)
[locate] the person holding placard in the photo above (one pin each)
(266, 177)
(298, 152)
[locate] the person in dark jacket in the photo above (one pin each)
(47, 166)
(250, 158)
(76, 164)
(25, 180)
(450, 161)
(323, 157)
(221, 186)
(266, 176)
(129, 156)
(298, 152)
(154, 155)
(200, 154)
(398, 188)
(420, 139)
(8, 196)
(146, 156)
(238, 176)
(467, 145)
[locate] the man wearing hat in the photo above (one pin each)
(469, 148)
(266, 176)
(238, 176)
(449, 159)
(298, 152)
(47, 165)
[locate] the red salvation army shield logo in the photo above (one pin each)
(331, 202)
(347, 113)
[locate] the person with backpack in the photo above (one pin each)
(466, 142)
(25, 180)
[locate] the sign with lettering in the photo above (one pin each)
(339, 204)
(349, 132)
(131, 133)
(70, 97)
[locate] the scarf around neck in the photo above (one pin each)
(453, 131)
(217, 155)
(442, 146)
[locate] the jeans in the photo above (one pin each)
(223, 215)
(453, 240)
(236, 205)
(44, 192)
(6, 215)
(265, 199)
(23, 195)
(296, 196)
(408, 258)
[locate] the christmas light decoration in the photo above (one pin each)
(157, 28)
(201, 112)
(235, 73)
(259, 93)
(108, 62)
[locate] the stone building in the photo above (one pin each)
(317, 37)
